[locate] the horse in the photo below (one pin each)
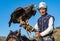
(16, 36)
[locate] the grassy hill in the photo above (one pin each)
(57, 34)
(2, 38)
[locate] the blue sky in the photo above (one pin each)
(8, 6)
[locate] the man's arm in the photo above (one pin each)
(50, 27)
(36, 27)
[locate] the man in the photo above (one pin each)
(45, 24)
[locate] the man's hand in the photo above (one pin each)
(37, 34)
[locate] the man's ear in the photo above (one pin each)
(46, 10)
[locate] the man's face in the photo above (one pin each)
(42, 11)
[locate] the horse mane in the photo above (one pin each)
(19, 38)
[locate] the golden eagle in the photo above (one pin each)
(26, 13)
